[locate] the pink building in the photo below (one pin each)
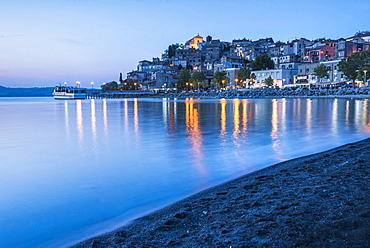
(317, 54)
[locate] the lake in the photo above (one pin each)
(72, 169)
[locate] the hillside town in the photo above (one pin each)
(234, 64)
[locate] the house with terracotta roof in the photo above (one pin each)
(193, 43)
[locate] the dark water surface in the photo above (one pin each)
(72, 169)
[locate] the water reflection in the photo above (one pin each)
(125, 116)
(136, 118)
(236, 132)
(334, 117)
(169, 109)
(223, 132)
(93, 122)
(365, 119)
(105, 117)
(66, 119)
(79, 122)
(194, 135)
(244, 116)
(275, 127)
(308, 116)
(156, 169)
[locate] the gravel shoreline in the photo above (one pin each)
(320, 200)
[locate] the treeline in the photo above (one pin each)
(25, 92)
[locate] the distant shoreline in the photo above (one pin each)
(26, 92)
(319, 200)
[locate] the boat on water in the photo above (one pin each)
(69, 92)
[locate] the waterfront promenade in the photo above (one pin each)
(319, 200)
(359, 93)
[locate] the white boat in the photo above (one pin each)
(69, 92)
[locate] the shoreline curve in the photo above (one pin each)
(318, 200)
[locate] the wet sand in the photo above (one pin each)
(320, 200)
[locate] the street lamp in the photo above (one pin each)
(365, 71)
(78, 84)
(236, 81)
(223, 83)
(92, 85)
(187, 86)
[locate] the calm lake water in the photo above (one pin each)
(72, 169)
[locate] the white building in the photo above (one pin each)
(306, 74)
(232, 74)
(281, 77)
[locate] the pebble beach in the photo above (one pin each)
(320, 200)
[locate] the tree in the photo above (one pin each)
(184, 78)
(351, 66)
(126, 84)
(120, 78)
(262, 62)
(220, 79)
(321, 71)
(252, 79)
(243, 75)
(198, 79)
(109, 87)
(269, 81)
(170, 51)
(362, 76)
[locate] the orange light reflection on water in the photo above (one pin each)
(236, 131)
(194, 135)
(223, 118)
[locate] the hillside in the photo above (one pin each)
(22, 92)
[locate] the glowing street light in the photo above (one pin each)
(78, 84)
(365, 71)
(92, 85)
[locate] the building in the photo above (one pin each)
(306, 74)
(281, 77)
(315, 54)
(232, 74)
(364, 35)
(194, 42)
(346, 48)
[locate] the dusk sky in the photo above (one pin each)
(44, 43)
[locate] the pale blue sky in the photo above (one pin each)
(44, 43)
